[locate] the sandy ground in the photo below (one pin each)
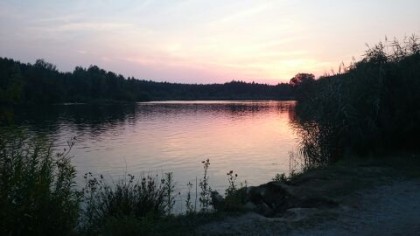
(385, 210)
(389, 209)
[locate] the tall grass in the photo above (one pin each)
(37, 188)
(374, 105)
(38, 196)
(234, 194)
(143, 200)
(205, 194)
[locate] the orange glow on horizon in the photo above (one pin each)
(202, 42)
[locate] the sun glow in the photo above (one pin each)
(201, 42)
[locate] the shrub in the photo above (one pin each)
(37, 188)
(144, 199)
(280, 178)
(373, 106)
(234, 196)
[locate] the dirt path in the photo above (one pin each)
(391, 208)
(386, 210)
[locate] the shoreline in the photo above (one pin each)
(369, 193)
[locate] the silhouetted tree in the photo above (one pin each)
(301, 78)
(43, 83)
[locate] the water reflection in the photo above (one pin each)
(252, 138)
(94, 118)
(318, 142)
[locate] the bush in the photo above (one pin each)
(373, 106)
(37, 188)
(234, 195)
(143, 200)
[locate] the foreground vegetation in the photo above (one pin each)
(39, 196)
(372, 106)
(37, 188)
(373, 196)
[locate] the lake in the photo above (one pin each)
(252, 138)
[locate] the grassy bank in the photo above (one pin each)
(359, 185)
(37, 186)
(371, 106)
(39, 196)
(355, 173)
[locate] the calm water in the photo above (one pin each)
(251, 138)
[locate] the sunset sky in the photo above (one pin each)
(192, 41)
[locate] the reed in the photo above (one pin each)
(372, 106)
(133, 199)
(37, 189)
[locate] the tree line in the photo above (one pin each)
(42, 83)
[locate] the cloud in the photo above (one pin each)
(243, 14)
(226, 39)
(82, 26)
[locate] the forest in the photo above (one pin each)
(42, 83)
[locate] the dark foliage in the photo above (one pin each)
(137, 202)
(301, 79)
(37, 188)
(373, 106)
(41, 83)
